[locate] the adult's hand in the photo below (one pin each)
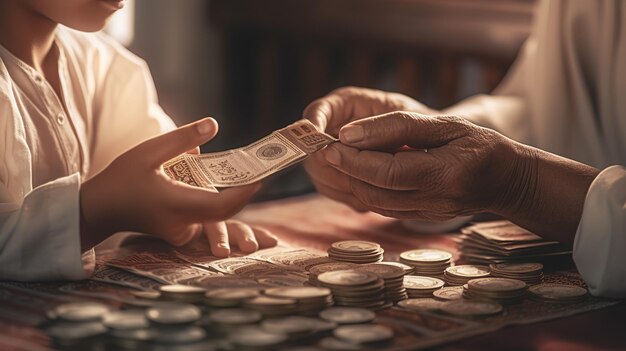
(406, 165)
(341, 107)
(134, 194)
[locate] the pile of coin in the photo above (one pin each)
(421, 286)
(460, 275)
(315, 271)
(529, 272)
(355, 288)
(392, 276)
(309, 299)
(500, 290)
(356, 251)
(557, 293)
(272, 306)
(465, 308)
(229, 297)
(428, 262)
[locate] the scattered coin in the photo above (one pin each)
(347, 315)
(173, 313)
(558, 293)
(466, 308)
(363, 333)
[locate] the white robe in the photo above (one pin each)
(566, 94)
(46, 151)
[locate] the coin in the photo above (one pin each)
(407, 269)
(173, 313)
(363, 333)
(229, 297)
(299, 293)
(291, 325)
(347, 278)
(347, 315)
(385, 272)
(235, 316)
(466, 308)
(356, 251)
(129, 319)
(76, 331)
(420, 304)
(180, 335)
(496, 284)
(416, 282)
(449, 293)
(81, 311)
(355, 246)
(148, 295)
(519, 268)
(426, 255)
(558, 293)
(254, 337)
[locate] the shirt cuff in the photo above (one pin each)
(600, 242)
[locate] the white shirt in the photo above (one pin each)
(46, 152)
(566, 94)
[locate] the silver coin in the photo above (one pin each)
(347, 278)
(347, 315)
(426, 255)
(355, 246)
(517, 268)
(128, 319)
(363, 333)
(496, 284)
(418, 282)
(469, 271)
(173, 313)
(81, 311)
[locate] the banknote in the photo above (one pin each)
(248, 164)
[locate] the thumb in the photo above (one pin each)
(167, 146)
(397, 129)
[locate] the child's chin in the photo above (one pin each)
(89, 26)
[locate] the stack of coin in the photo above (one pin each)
(125, 320)
(392, 276)
(356, 251)
(501, 290)
(531, 273)
(172, 314)
(272, 306)
(421, 286)
(355, 288)
(79, 311)
(347, 315)
(557, 293)
(428, 262)
(315, 271)
(230, 297)
(408, 270)
(182, 293)
(465, 308)
(76, 336)
(226, 320)
(421, 304)
(460, 275)
(309, 299)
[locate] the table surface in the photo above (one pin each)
(315, 222)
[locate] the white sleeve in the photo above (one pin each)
(126, 108)
(600, 243)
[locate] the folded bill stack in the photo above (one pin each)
(503, 241)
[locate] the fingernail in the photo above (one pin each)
(205, 126)
(223, 246)
(332, 156)
(351, 134)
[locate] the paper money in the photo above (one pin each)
(248, 164)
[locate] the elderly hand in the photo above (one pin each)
(341, 107)
(406, 165)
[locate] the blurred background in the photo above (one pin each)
(255, 65)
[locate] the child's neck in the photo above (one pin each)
(26, 33)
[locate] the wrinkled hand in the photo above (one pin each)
(406, 165)
(337, 109)
(134, 194)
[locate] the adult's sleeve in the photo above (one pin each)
(600, 243)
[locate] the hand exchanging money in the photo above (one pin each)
(134, 194)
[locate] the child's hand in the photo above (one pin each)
(134, 194)
(222, 235)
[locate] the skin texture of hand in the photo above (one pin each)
(406, 165)
(333, 111)
(134, 194)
